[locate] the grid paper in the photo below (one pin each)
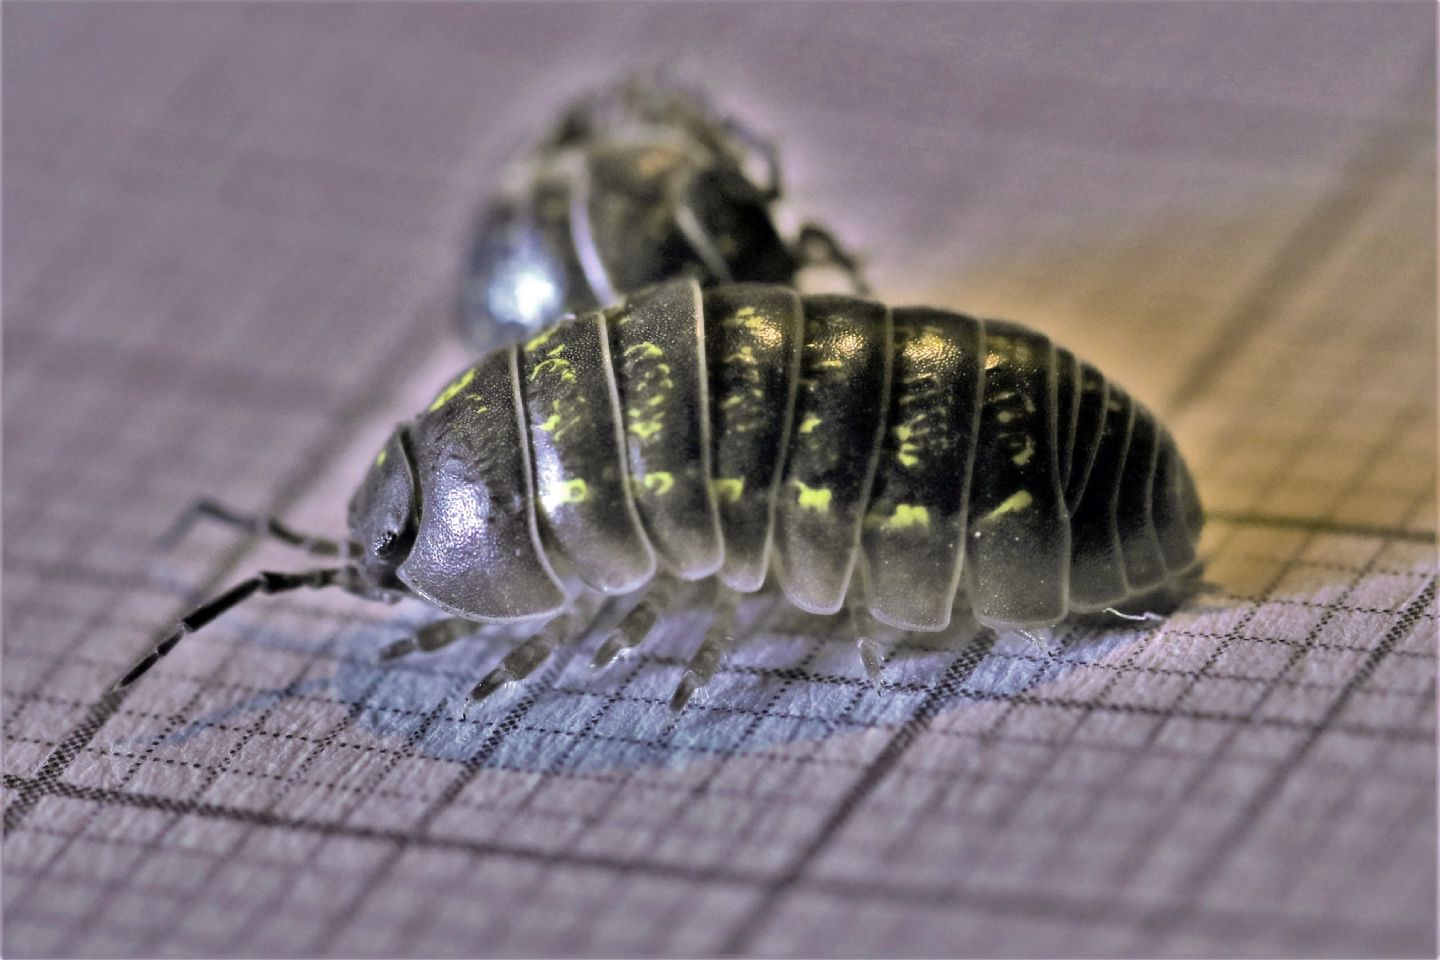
(232, 232)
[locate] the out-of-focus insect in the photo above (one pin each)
(745, 431)
(635, 185)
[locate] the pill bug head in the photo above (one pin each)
(383, 515)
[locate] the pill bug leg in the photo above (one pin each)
(431, 637)
(524, 659)
(816, 246)
(530, 655)
(862, 628)
(718, 641)
(1146, 617)
(256, 524)
(764, 149)
(637, 624)
(1042, 639)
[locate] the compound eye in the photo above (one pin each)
(384, 545)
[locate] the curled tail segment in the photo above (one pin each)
(1005, 467)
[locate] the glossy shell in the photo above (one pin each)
(635, 186)
(904, 459)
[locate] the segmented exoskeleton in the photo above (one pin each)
(636, 184)
(891, 459)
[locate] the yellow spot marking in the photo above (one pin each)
(758, 326)
(908, 452)
(907, 515)
(568, 491)
(1005, 416)
(810, 423)
(380, 460)
(658, 482)
(555, 364)
(1013, 504)
(646, 349)
(645, 429)
(813, 498)
(551, 423)
(928, 346)
(1024, 456)
(556, 351)
(734, 400)
(728, 489)
(456, 385)
(848, 344)
(537, 342)
(745, 354)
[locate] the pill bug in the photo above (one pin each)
(746, 432)
(636, 184)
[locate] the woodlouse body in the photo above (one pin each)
(745, 432)
(701, 432)
(634, 185)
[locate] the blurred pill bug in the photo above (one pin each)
(637, 184)
(888, 461)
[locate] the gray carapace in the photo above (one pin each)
(634, 185)
(904, 463)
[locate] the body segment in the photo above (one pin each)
(915, 526)
(839, 414)
(806, 437)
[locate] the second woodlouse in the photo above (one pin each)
(635, 184)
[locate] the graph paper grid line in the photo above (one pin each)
(240, 227)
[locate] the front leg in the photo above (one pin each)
(431, 637)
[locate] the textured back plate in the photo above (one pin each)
(477, 553)
(839, 415)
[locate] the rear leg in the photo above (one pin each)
(1136, 617)
(816, 246)
(1041, 638)
(872, 658)
(762, 148)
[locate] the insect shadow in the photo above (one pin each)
(795, 678)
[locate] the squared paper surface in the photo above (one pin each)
(231, 236)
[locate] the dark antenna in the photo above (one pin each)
(254, 524)
(265, 582)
